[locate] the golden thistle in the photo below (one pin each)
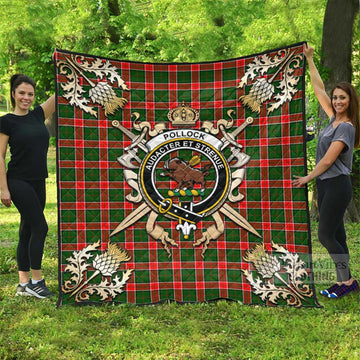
(109, 261)
(262, 88)
(105, 95)
(259, 93)
(106, 264)
(266, 265)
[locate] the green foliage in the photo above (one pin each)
(52, 141)
(26, 42)
(140, 30)
(285, 22)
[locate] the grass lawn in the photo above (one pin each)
(36, 329)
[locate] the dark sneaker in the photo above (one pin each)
(39, 290)
(20, 291)
(343, 290)
(330, 290)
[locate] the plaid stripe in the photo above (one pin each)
(92, 188)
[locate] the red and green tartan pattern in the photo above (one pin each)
(92, 189)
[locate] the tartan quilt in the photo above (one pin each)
(174, 180)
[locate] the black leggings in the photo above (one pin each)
(334, 196)
(29, 197)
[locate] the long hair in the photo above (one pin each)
(15, 81)
(353, 109)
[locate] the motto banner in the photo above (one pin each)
(174, 180)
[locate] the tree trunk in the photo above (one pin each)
(337, 40)
(113, 31)
(336, 53)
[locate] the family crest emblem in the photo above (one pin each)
(184, 175)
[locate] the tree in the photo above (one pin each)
(26, 44)
(145, 30)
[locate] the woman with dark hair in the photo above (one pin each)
(24, 182)
(334, 156)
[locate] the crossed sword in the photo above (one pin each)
(143, 209)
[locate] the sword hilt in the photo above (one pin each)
(133, 137)
(230, 138)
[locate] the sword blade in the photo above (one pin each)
(234, 216)
(132, 218)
